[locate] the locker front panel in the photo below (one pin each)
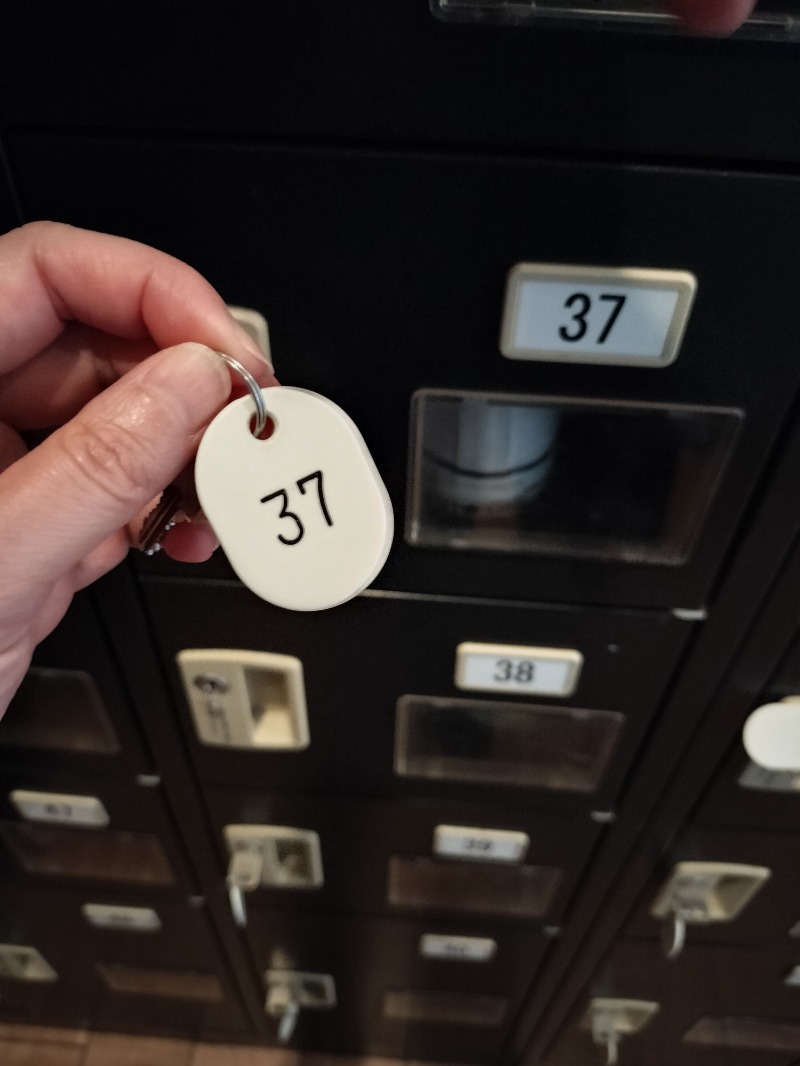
(71, 712)
(714, 1004)
(380, 858)
(98, 831)
(419, 305)
(370, 663)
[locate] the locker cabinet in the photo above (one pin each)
(438, 817)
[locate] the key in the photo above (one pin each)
(178, 502)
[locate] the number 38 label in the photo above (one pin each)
(595, 314)
(515, 669)
(303, 516)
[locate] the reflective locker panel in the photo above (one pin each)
(71, 712)
(68, 829)
(712, 1005)
(431, 989)
(409, 858)
(401, 695)
(594, 527)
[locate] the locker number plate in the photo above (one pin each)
(481, 845)
(457, 948)
(516, 669)
(59, 809)
(575, 314)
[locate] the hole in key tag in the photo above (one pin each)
(303, 515)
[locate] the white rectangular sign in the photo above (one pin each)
(482, 845)
(595, 314)
(517, 669)
(457, 948)
(59, 808)
(108, 916)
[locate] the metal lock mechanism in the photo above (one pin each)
(270, 856)
(699, 893)
(289, 992)
(611, 1019)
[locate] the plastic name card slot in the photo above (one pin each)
(246, 699)
(772, 20)
(124, 919)
(595, 314)
(479, 888)
(445, 1008)
(578, 479)
(480, 845)
(188, 985)
(758, 1034)
(520, 671)
(277, 856)
(457, 948)
(486, 742)
(59, 710)
(119, 857)
(18, 963)
(59, 808)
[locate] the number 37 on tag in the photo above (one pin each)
(303, 515)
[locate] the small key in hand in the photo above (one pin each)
(178, 502)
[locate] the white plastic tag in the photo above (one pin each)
(303, 516)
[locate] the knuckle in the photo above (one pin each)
(109, 457)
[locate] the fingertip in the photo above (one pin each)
(190, 542)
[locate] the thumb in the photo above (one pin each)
(96, 472)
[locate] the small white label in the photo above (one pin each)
(303, 516)
(59, 808)
(481, 845)
(135, 919)
(457, 948)
(514, 668)
(595, 314)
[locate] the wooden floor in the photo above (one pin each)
(32, 1046)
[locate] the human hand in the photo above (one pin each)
(715, 18)
(80, 315)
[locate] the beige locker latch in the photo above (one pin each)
(611, 1019)
(246, 699)
(289, 992)
(699, 893)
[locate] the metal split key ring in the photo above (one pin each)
(255, 391)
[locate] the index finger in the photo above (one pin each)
(53, 274)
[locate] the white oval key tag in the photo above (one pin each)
(303, 516)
